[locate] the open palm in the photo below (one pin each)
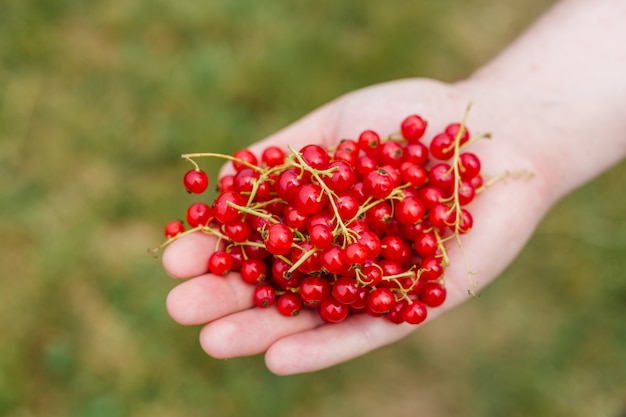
(504, 217)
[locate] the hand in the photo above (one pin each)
(504, 217)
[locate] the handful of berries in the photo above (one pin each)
(359, 228)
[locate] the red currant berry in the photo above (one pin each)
(273, 156)
(355, 254)
(347, 206)
(409, 211)
(458, 132)
(245, 179)
(469, 165)
(224, 212)
(332, 311)
(282, 278)
(431, 269)
(371, 274)
(332, 260)
(310, 198)
(256, 249)
(174, 228)
(196, 181)
(433, 294)
(465, 222)
(396, 314)
(413, 128)
(365, 164)
(294, 218)
(246, 156)
(315, 156)
(415, 175)
(346, 290)
(466, 192)
(278, 239)
(320, 235)
(442, 146)
(237, 230)
(220, 262)
(307, 257)
(289, 304)
(314, 290)
(378, 184)
(415, 312)
(371, 242)
(288, 184)
(264, 295)
(368, 141)
(380, 300)
(441, 216)
(426, 244)
(416, 153)
(342, 178)
(253, 271)
(395, 249)
(390, 153)
(441, 175)
(199, 214)
(430, 196)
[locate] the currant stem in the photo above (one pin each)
(253, 212)
(348, 238)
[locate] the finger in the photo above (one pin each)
(207, 298)
(329, 345)
(252, 331)
(187, 256)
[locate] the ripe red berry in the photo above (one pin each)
(315, 156)
(332, 260)
(378, 184)
(246, 156)
(413, 128)
(381, 300)
(289, 304)
(433, 294)
(346, 290)
(368, 141)
(196, 181)
(220, 262)
(415, 312)
(253, 271)
(332, 311)
(273, 156)
(314, 290)
(442, 146)
(469, 165)
(199, 214)
(409, 211)
(174, 228)
(264, 295)
(456, 129)
(278, 239)
(390, 153)
(224, 212)
(320, 235)
(426, 244)
(342, 178)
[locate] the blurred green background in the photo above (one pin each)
(99, 99)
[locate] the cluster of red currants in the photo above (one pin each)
(359, 228)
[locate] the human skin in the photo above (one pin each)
(554, 102)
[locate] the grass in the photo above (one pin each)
(98, 101)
